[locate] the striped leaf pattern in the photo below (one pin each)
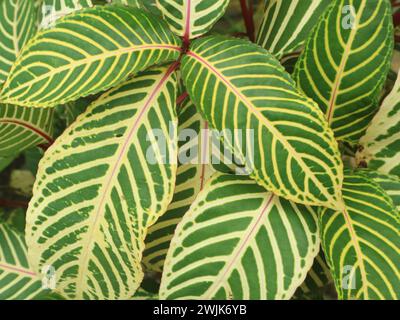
(105, 183)
(17, 280)
(192, 18)
(287, 23)
(381, 143)
(14, 218)
(70, 111)
(238, 85)
(239, 241)
(390, 184)
(345, 63)
(191, 177)
(22, 128)
(17, 25)
(362, 242)
(51, 10)
(87, 52)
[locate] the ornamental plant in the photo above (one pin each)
(108, 92)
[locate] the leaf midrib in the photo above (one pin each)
(339, 76)
(99, 211)
(262, 119)
(252, 229)
(88, 60)
(38, 131)
(357, 249)
(19, 270)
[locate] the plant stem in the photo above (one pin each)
(247, 12)
(181, 98)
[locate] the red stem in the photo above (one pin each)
(396, 19)
(247, 12)
(181, 98)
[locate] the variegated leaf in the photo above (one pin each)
(17, 279)
(381, 143)
(287, 23)
(362, 242)
(87, 52)
(17, 25)
(239, 241)
(105, 181)
(191, 177)
(390, 184)
(51, 10)
(237, 85)
(192, 18)
(345, 63)
(22, 128)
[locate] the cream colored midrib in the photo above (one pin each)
(84, 256)
(86, 61)
(270, 127)
(338, 79)
(357, 249)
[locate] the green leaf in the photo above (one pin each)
(390, 184)
(381, 143)
(239, 241)
(51, 10)
(15, 218)
(345, 63)
(191, 177)
(103, 189)
(17, 25)
(87, 52)
(287, 24)
(17, 280)
(239, 86)
(362, 242)
(71, 110)
(22, 128)
(192, 18)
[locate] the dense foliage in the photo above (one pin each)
(163, 160)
